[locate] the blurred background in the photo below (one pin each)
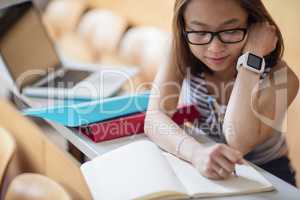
(138, 32)
(116, 32)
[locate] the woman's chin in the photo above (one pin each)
(218, 68)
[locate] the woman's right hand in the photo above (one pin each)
(217, 161)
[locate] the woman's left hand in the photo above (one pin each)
(261, 40)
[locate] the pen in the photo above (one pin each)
(234, 173)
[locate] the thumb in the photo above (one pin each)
(242, 161)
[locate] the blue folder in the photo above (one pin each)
(90, 112)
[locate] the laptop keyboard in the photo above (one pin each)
(68, 80)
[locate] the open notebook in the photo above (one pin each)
(140, 170)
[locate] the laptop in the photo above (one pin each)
(35, 66)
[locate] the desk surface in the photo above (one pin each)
(92, 150)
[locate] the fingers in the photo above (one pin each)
(225, 164)
(223, 173)
(223, 160)
(263, 32)
(218, 161)
(215, 171)
(232, 155)
(262, 29)
(213, 175)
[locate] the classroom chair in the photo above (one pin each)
(29, 186)
(7, 149)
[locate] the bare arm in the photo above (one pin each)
(216, 162)
(245, 123)
(251, 122)
(159, 127)
(241, 126)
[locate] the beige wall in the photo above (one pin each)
(287, 15)
(140, 12)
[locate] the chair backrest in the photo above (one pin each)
(36, 153)
(7, 149)
(35, 187)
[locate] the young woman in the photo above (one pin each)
(242, 108)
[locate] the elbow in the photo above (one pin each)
(237, 139)
(239, 145)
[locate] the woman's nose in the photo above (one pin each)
(216, 45)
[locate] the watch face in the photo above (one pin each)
(254, 61)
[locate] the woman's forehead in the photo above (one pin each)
(213, 13)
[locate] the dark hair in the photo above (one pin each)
(181, 56)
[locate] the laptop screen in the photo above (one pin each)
(25, 47)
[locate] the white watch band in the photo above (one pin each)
(243, 62)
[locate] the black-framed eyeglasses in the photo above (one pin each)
(228, 36)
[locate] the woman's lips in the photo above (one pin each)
(219, 60)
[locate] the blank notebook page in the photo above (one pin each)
(129, 172)
(248, 181)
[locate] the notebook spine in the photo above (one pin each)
(132, 124)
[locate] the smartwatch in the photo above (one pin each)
(251, 62)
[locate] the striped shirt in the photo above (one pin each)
(211, 120)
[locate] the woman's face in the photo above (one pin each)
(216, 15)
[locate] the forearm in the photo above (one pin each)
(160, 128)
(241, 126)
